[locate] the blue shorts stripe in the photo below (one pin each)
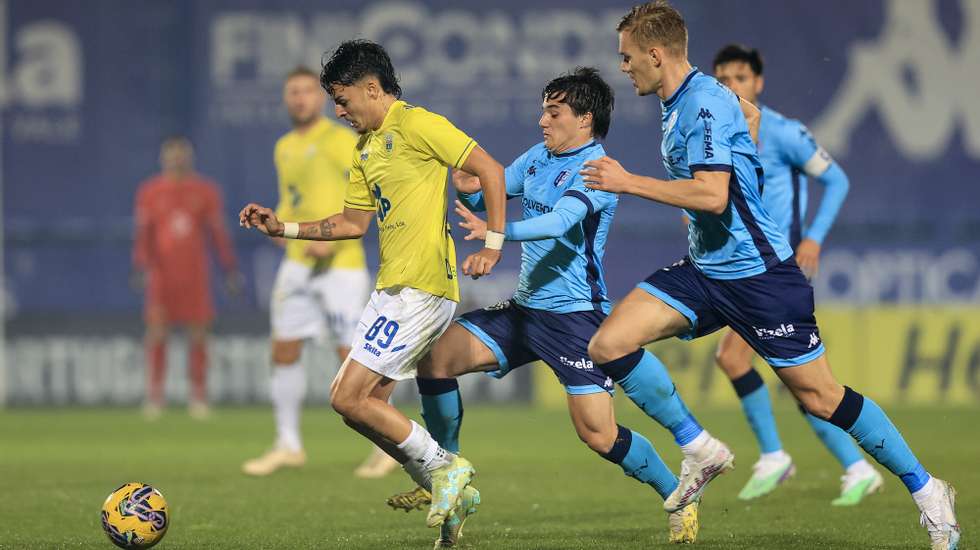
(672, 302)
(796, 361)
(490, 343)
(585, 390)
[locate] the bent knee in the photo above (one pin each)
(344, 403)
(599, 441)
(819, 404)
(604, 348)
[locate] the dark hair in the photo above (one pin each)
(585, 92)
(656, 22)
(738, 52)
(355, 59)
(301, 70)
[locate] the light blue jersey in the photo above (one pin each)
(563, 273)
(704, 130)
(788, 154)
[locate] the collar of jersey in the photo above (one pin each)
(574, 152)
(398, 104)
(677, 93)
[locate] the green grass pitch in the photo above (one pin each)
(541, 487)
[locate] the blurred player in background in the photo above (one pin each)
(177, 212)
(321, 286)
(789, 155)
(398, 177)
(740, 271)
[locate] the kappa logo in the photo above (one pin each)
(532, 171)
(562, 178)
(705, 114)
(814, 340)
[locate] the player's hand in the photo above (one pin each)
(261, 218)
(471, 223)
(481, 263)
(605, 174)
(808, 257)
(234, 282)
(465, 182)
(320, 250)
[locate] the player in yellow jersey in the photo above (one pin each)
(321, 286)
(399, 176)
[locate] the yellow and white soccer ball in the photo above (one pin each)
(135, 516)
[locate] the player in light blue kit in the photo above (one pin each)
(559, 303)
(740, 270)
(789, 155)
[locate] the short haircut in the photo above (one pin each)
(656, 22)
(302, 70)
(176, 140)
(355, 59)
(585, 92)
(738, 52)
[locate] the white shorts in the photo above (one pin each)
(309, 305)
(398, 327)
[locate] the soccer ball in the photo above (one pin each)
(135, 516)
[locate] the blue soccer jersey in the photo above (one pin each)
(788, 154)
(704, 130)
(565, 274)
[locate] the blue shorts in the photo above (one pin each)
(518, 335)
(772, 311)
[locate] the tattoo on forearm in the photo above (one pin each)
(321, 231)
(326, 229)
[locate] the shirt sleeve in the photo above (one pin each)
(801, 150)
(594, 201)
(568, 211)
(709, 128)
(513, 179)
(435, 136)
(358, 196)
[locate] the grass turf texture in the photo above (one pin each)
(541, 487)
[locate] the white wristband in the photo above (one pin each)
(290, 230)
(494, 240)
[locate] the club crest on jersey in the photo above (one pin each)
(389, 142)
(364, 154)
(562, 178)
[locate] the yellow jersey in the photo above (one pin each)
(400, 171)
(312, 169)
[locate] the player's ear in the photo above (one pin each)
(585, 121)
(656, 55)
(760, 83)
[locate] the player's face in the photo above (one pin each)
(561, 128)
(304, 99)
(177, 156)
(354, 105)
(738, 76)
(639, 65)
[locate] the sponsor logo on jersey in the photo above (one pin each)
(535, 206)
(372, 350)
(709, 150)
(782, 331)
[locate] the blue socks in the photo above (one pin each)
(837, 441)
(442, 410)
(758, 410)
(870, 426)
(646, 381)
(638, 459)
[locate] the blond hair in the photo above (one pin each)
(656, 23)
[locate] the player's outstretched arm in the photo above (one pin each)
(707, 191)
(493, 188)
(349, 224)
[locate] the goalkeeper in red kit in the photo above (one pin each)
(178, 212)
